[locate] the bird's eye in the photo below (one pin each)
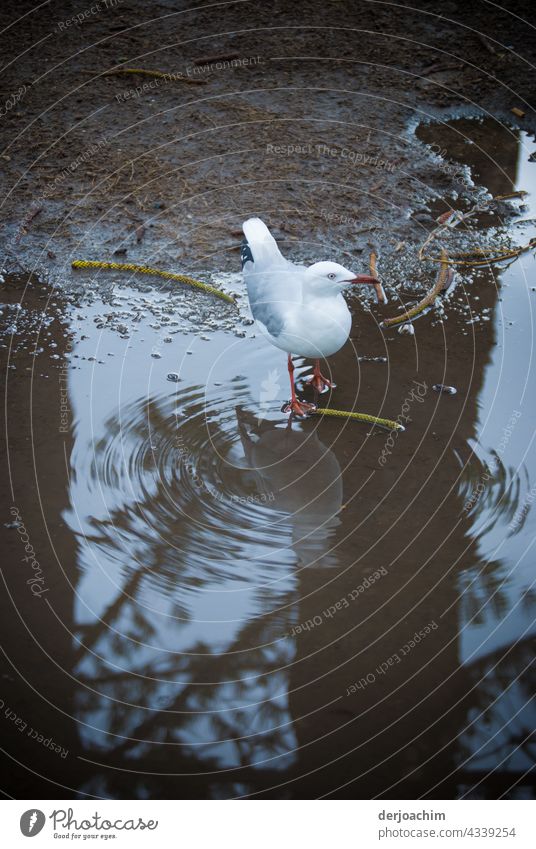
(331, 276)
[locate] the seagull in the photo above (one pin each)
(299, 308)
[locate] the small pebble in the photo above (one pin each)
(446, 390)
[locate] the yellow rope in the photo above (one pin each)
(361, 417)
(159, 74)
(143, 269)
(440, 284)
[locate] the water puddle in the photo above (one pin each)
(224, 580)
(497, 612)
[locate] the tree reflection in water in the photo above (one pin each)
(188, 582)
(498, 746)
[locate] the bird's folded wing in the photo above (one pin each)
(272, 294)
(273, 283)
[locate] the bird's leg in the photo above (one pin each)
(320, 383)
(295, 407)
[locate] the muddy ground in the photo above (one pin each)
(165, 175)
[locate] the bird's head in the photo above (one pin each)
(329, 278)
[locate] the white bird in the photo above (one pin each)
(300, 309)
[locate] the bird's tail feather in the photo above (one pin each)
(260, 247)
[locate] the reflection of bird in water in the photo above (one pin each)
(300, 309)
(300, 477)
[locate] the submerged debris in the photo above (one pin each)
(365, 359)
(443, 389)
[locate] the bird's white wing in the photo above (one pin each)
(273, 283)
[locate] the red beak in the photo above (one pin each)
(372, 281)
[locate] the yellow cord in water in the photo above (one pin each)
(143, 269)
(360, 417)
